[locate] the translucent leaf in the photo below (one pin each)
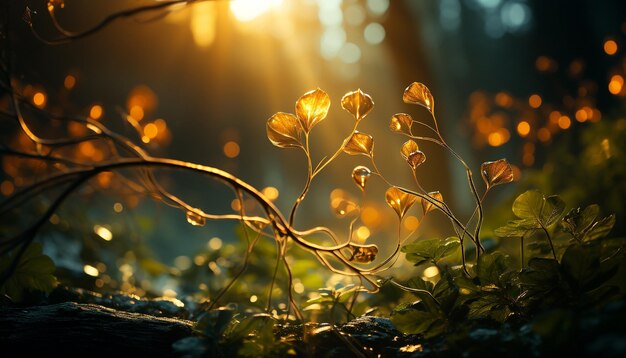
(533, 205)
(428, 206)
(363, 253)
(34, 272)
(360, 175)
(418, 93)
(360, 143)
(357, 103)
(411, 153)
(401, 123)
(312, 108)
(284, 130)
(496, 173)
(195, 218)
(399, 201)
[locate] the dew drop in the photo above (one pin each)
(360, 175)
(195, 218)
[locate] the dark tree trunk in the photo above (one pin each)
(74, 328)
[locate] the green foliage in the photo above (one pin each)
(431, 250)
(534, 212)
(34, 272)
(585, 225)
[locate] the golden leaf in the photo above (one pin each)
(312, 108)
(401, 123)
(360, 143)
(357, 103)
(427, 205)
(418, 93)
(496, 173)
(411, 153)
(284, 130)
(363, 253)
(399, 201)
(360, 175)
(408, 147)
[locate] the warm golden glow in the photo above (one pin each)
(535, 101)
(371, 217)
(104, 233)
(248, 10)
(431, 272)
(136, 112)
(616, 84)
(362, 233)
(253, 298)
(544, 134)
(581, 115)
(95, 112)
(610, 47)
(504, 99)
(118, 207)
(203, 23)
(411, 222)
(91, 271)
(565, 122)
(39, 99)
(231, 149)
(150, 130)
(69, 82)
(235, 204)
(523, 128)
(270, 193)
(215, 243)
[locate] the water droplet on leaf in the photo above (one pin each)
(360, 143)
(312, 108)
(418, 93)
(284, 130)
(399, 201)
(427, 205)
(357, 103)
(496, 173)
(195, 218)
(401, 123)
(360, 175)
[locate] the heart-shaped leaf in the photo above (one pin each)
(496, 173)
(360, 143)
(284, 130)
(411, 153)
(418, 93)
(399, 201)
(401, 123)
(427, 205)
(312, 108)
(357, 103)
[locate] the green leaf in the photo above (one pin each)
(600, 228)
(517, 228)
(532, 205)
(581, 263)
(250, 324)
(34, 272)
(491, 267)
(214, 323)
(431, 250)
(584, 225)
(412, 321)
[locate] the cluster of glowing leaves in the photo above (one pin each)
(363, 253)
(312, 108)
(412, 154)
(418, 93)
(195, 218)
(360, 175)
(399, 201)
(401, 123)
(427, 206)
(360, 143)
(357, 103)
(284, 130)
(496, 173)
